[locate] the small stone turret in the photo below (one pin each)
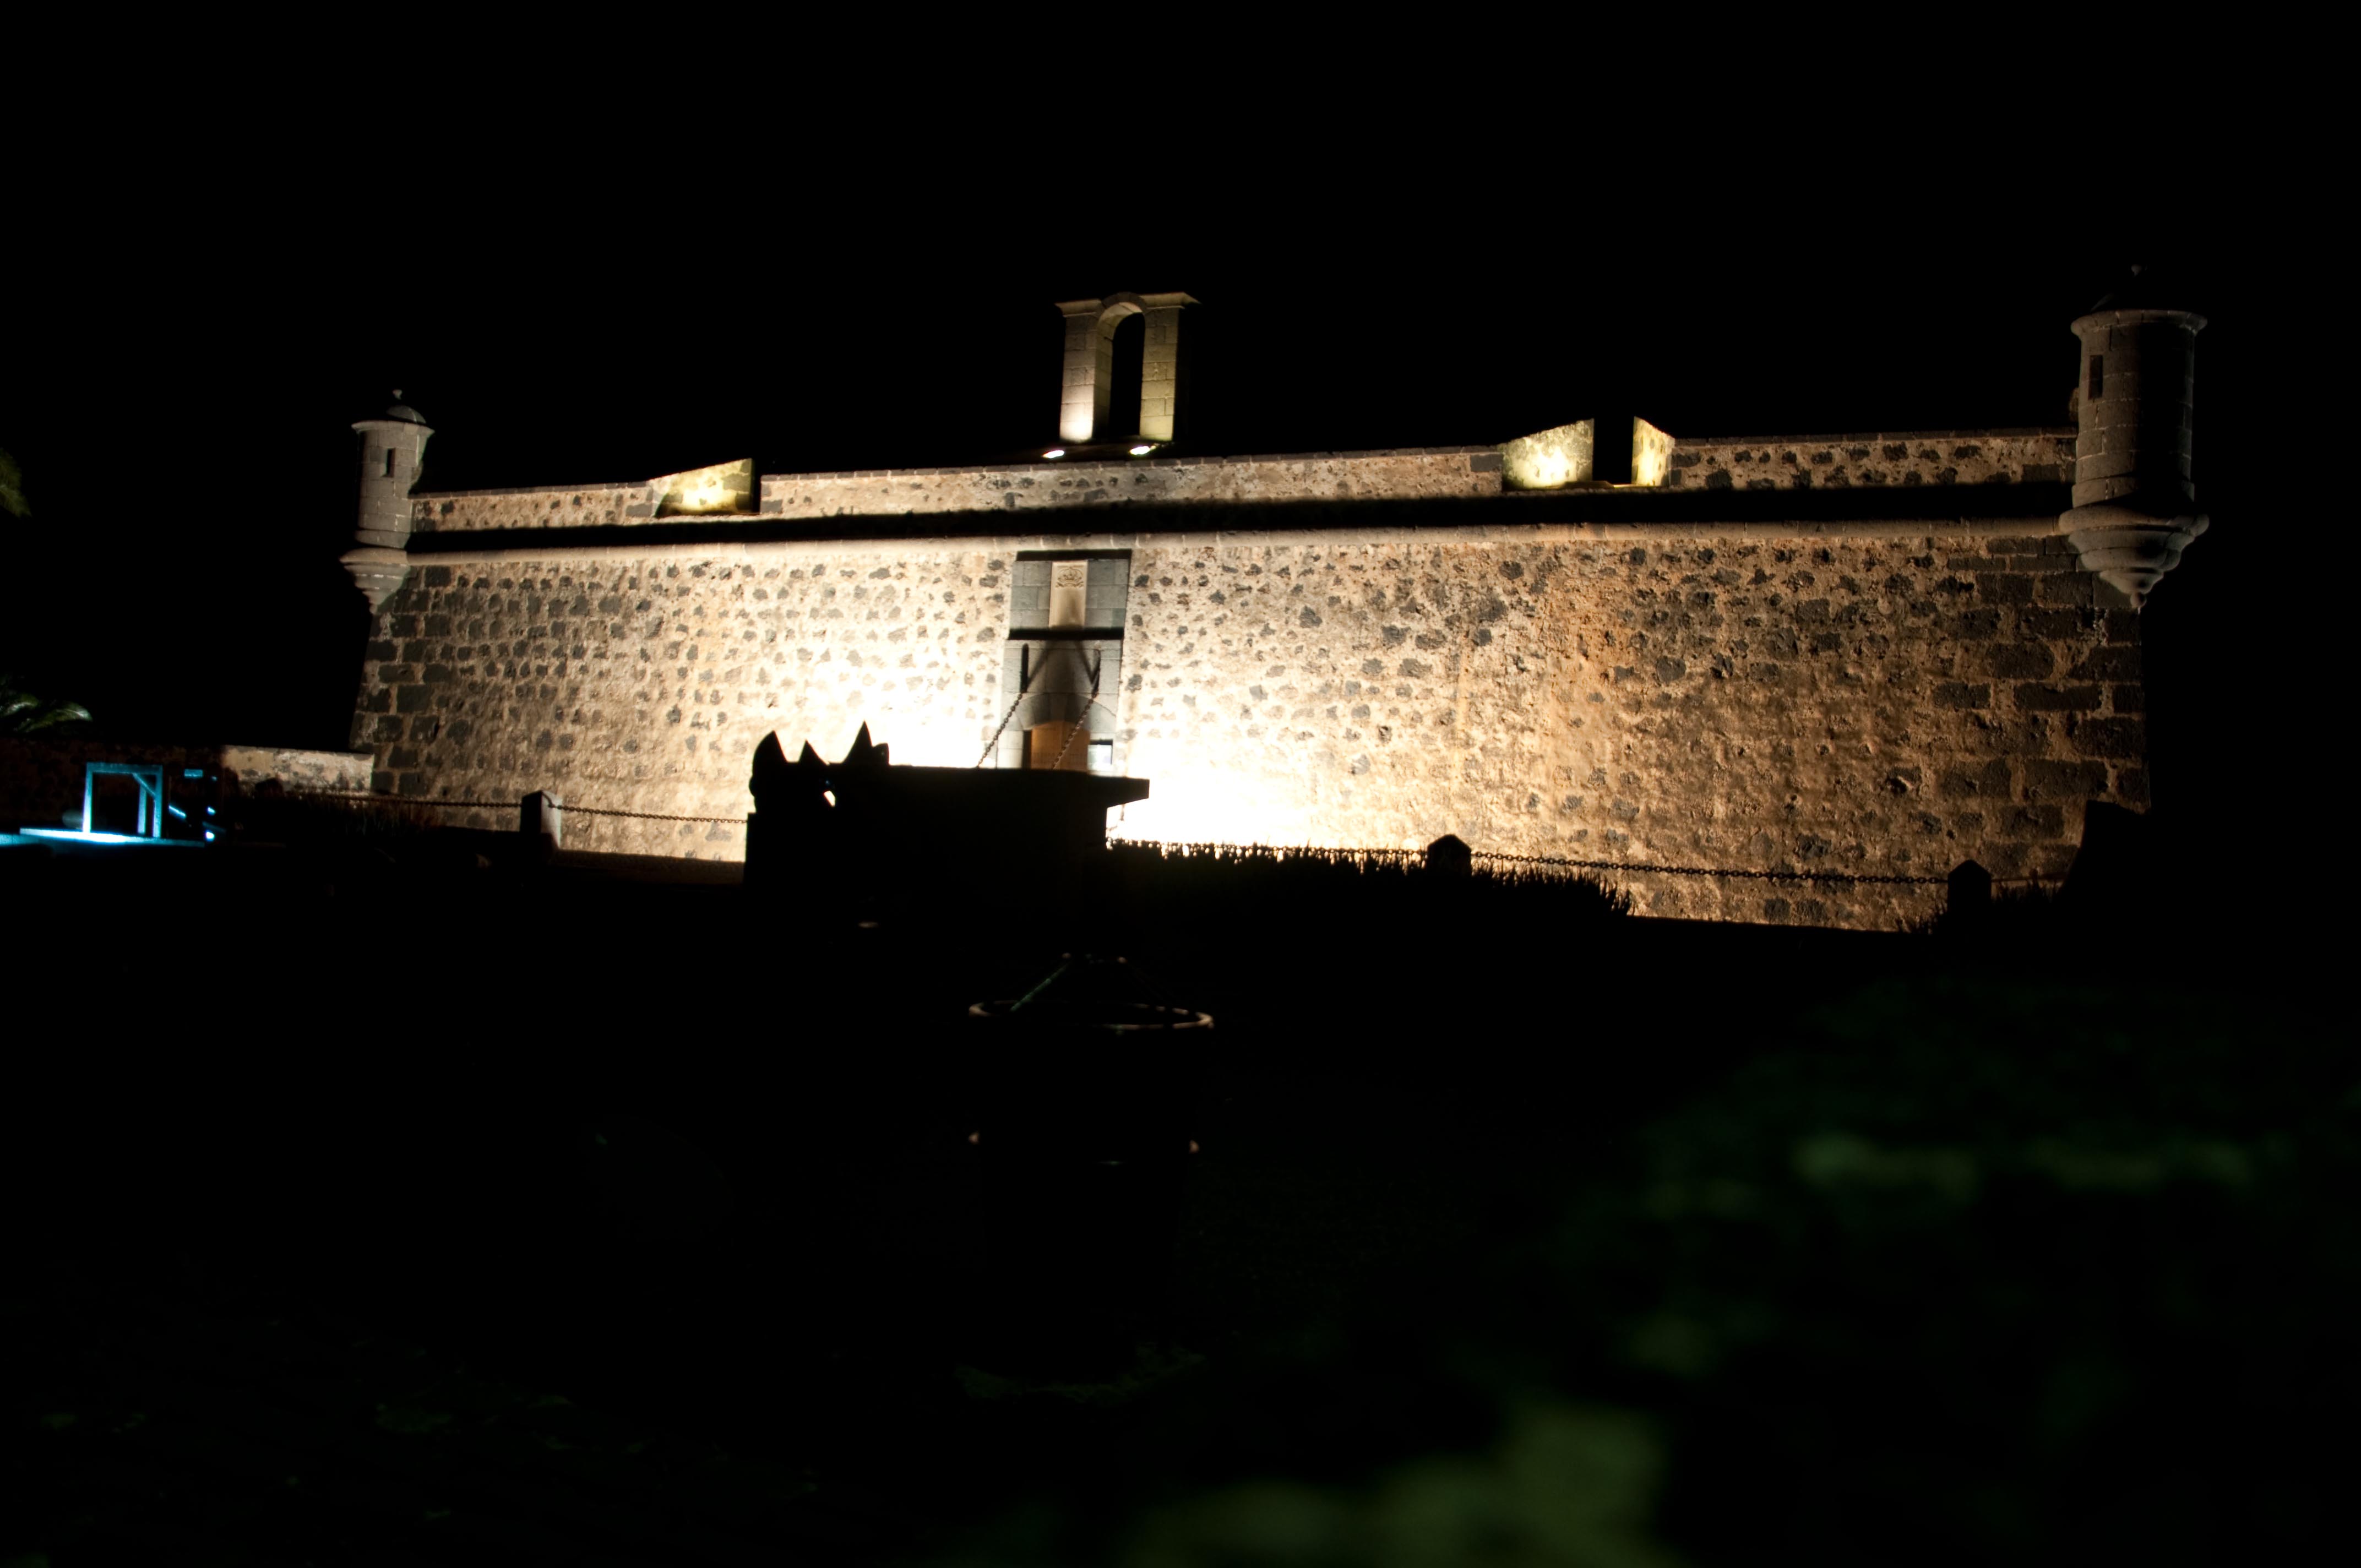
(2135, 508)
(393, 447)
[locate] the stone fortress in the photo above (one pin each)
(1854, 656)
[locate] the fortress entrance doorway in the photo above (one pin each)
(1067, 746)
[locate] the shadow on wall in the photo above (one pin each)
(2128, 879)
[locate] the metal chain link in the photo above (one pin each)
(1079, 728)
(397, 799)
(1022, 687)
(405, 800)
(643, 815)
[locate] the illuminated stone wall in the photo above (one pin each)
(645, 683)
(1569, 454)
(1842, 461)
(1357, 476)
(1550, 457)
(546, 506)
(1867, 706)
(1322, 476)
(1830, 462)
(1889, 703)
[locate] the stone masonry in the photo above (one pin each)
(1890, 706)
(1321, 476)
(1841, 462)
(1746, 698)
(645, 683)
(1943, 457)
(1866, 656)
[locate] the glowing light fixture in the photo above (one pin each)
(1055, 451)
(1142, 451)
(723, 488)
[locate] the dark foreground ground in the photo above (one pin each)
(441, 1216)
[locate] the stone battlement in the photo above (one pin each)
(885, 492)
(1935, 458)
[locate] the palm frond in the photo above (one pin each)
(12, 487)
(24, 712)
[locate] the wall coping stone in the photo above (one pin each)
(1620, 510)
(609, 486)
(1039, 467)
(1537, 532)
(2007, 434)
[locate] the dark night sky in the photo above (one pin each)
(198, 328)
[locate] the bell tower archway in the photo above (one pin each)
(1088, 394)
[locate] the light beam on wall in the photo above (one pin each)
(1200, 803)
(723, 488)
(1569, 454)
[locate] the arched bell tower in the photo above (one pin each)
(1088, 394)
(2135, 508)
(393, 447)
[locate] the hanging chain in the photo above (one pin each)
(407, 802)
(1080, 729)
(642, 816)
(1022, 687)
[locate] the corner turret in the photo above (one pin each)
(393, 447)
(2135, 508)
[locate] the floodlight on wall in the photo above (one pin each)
(725, 487)
(1055, 451)
(1141, 451)
(1587, 452)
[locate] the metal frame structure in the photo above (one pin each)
(153, 802)
(149, 776)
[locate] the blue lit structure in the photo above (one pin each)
(149, 776)
(154, 806)
(74, 836)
